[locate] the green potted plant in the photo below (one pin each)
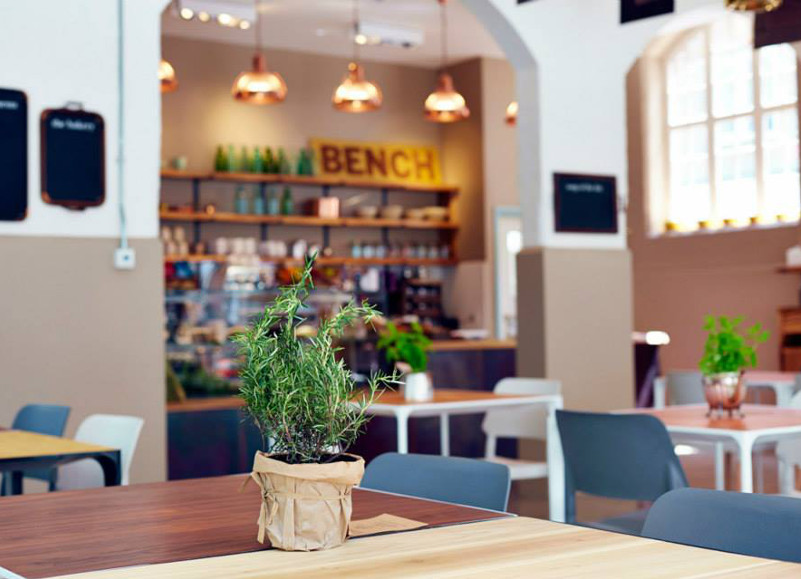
(409, 350)
(727, 353)
(303, 398)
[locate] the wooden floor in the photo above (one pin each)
(530, 498)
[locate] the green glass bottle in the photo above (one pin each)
(301, 166)
(244, 160)
(287, 207)
(220, 160)
(257, 164)
(269, 161)
(283, 163)
(231, 164)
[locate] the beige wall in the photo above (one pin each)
(679, 279)
(575, 324)
(75, 331)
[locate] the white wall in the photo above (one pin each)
(571, 59)
(58, 51)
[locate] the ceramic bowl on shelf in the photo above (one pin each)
(436, 213)
(367, 211)
(415, 214)
(392, 212)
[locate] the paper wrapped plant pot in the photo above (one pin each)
(306, 507)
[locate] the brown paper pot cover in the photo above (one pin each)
(305, 507)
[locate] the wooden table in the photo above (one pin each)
(762, 423)
(21, 450)
(451, 402)
(80, 531)
(512, 547)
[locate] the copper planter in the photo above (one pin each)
(724, 392)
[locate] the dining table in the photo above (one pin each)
(206, 529)
(21, 451)
(446, 402)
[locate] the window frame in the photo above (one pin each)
(716, 222)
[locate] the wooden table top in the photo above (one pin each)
(444, 395)
(512, 547)
(757, 417)
(79, 531)
(17, 444)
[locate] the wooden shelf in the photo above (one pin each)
(322, 261)
(304, 220)
(789, 269)
(307, 181)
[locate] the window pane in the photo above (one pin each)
(780, 163)
(778, 80)
(690, 200)
(686, 82)
(732, 68)
(735, 168)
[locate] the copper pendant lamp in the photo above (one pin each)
(356, 94)
(259, 86)
(511, 113)
(754, 5)
(445, 104)
(167, 78)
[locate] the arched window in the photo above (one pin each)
(731, 129)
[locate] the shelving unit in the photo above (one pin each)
(322, 261)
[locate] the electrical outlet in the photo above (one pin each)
(124, 258)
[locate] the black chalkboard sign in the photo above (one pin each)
(73, 158)
(585, 203)
(631, 10)
(13, 155)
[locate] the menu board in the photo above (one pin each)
(585, 203)
(73, 158)
(638, 9)
(13, 155)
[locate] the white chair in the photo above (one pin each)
(120, 432)
(529, 422)
(677, 388)
(788, 454)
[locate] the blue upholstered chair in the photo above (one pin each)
(43, 419)
(464, 481)
(744, 523)
(620, 456)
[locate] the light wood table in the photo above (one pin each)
(761, 423)
(21, 450)
(447, 402)
(518, 547)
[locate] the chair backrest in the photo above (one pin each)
(464, 481)
(525, 422)
(685, 387)
(622, 456)
(744, 523)
(42, 418)
(120, 432)
(789, 451)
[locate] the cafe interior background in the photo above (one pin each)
(594, 100)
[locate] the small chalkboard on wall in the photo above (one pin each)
(73, 158)
(13, 155)
(585, 203)
(631, 10)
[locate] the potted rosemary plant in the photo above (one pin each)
(303, 398)
(727, 353)
(409, 350)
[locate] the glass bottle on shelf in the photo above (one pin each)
(273, 202)
(220, 160)
(287, 207)
(244, 160)
(269, 161)
(356, 250)
(283, 163)
(257, 163)
(241, 201)
(258, 206)
(231, 159)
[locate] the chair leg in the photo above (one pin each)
(759, 464)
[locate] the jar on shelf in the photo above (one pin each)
(356, 250)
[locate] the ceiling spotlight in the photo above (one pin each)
(203, 16)
(360, 39)
(225, 19)
(244, 25)
(187, 13)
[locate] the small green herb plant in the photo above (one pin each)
(296, 389)
(409, 347)
(727, 349)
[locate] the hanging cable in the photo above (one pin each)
(121, 124)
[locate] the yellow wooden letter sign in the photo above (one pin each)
(376, 162)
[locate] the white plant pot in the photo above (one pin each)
(418, 387)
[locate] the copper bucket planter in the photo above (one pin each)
(724, 392)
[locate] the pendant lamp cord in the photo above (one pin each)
(257, 4)
(121, 124)
(443, 36)
(355, 31)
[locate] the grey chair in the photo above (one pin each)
(464, 481)
(678, 388)
(743, 523)
(43, 419)
(620, 456)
